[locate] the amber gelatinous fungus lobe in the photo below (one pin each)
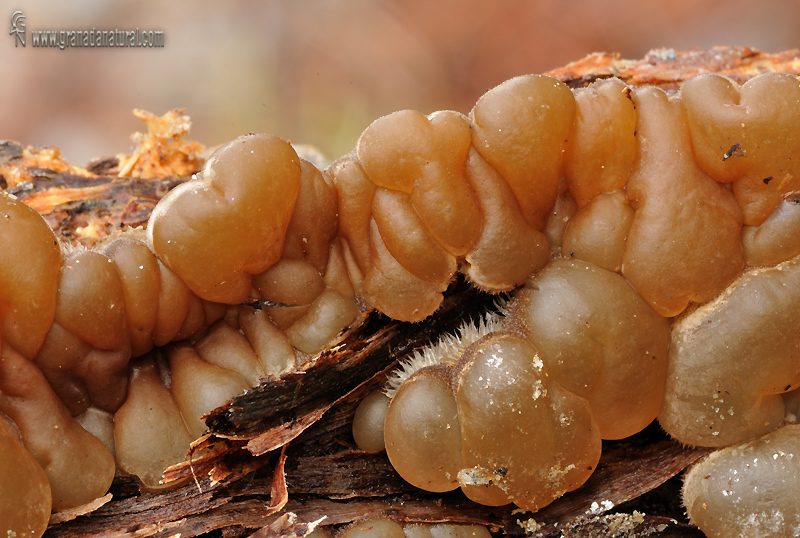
(521, 128)
(777, 237)
(747, 136)
(605, 118)
(149, 429)
(514, 435)
(230, 224)
(85, 354)
(598, 232)
(29, 262)
(761, 501)
(423, 213)
(141, 281)
(599, 339)
(683, 245)
(422, 432)
(78, 466)
(748, 337)
(25, 498)
(596, 369)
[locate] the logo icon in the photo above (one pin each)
(18, 28)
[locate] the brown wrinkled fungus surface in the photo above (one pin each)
(643, 226)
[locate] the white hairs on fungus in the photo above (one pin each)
(448, 349)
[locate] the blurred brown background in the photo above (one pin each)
(319, 71)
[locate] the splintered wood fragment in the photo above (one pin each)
(287, 526)
(86, 204)
(72, 513)
(668, 68)
(77, 204)
(142, 515)
(278, 494)
(278, 437)
(346, 476)
(215, 459)
(373, 347)
(277, 404)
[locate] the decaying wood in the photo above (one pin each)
(668, 68)
(84, 205)
(83, 208)
(347, 487)
(280, 458)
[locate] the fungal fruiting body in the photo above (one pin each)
(621, 210)
(580, 357)
(748, 490)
